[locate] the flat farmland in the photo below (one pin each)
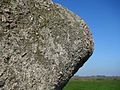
(93, 84)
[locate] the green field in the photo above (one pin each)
(93, 84)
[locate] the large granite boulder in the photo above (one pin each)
(42, 45)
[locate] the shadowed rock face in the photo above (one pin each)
(42, 45)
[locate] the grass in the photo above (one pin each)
(93, 84)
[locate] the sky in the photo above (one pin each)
(103, 18)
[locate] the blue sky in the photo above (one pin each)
(103, 18)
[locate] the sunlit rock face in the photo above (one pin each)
(42, 45)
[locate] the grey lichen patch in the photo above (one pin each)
(42, 45)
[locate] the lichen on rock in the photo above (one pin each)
(42, 45)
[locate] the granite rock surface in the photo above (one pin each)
(42, 45)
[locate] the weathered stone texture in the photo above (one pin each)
(42, 45)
